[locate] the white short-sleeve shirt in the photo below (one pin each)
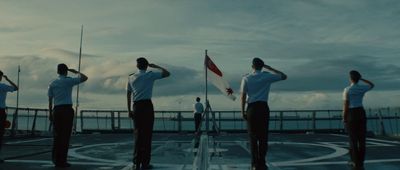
(258, 84)
(60, 89)
(4, 89)
(355, 94)
(198, 108)
(141, 84)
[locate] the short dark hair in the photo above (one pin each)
(1, 73)
(258, 63)
(355, 76)
(62, 69)
(142, 63)
(197, 99)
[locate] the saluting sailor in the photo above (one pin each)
(4, 89)
(62, 115)
(255, 89)
(140, 108)
(354, 117)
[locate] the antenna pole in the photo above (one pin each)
(77, 89)
(15, 116)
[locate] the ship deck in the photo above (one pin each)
(176, 151)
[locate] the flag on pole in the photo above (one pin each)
(216, 77)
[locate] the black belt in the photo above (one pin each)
(356, 108)
(63, 106)
(259, 102)
(141, 101)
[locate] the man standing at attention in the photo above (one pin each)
(140, 108)
(198, 109)
(4, 89)
(62, 115)
(354, 117)
(255, 89)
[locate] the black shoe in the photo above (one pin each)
(64, 165)
(262, 167)
(135, 167)
(149, 166)
(358, 168)
(351, 163)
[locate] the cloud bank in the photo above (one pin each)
(315, 42)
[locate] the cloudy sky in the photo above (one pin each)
(316, 42)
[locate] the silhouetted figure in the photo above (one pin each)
(4, 89)
(140, 108)
(255, 88)
(198, 109)
(354, 117)
(62, 115)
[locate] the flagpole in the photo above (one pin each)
(19, 71)
(15, 116)
(205, 69)
(77, 89)
(206, 81)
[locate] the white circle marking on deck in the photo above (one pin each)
(73, 153)
(337, 152)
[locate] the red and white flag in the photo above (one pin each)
(216, 77)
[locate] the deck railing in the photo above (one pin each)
(380, 121)
(34, 121)
(28, 121)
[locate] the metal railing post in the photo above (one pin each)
(314, 127)
(281, 121)
(179, 121)
(163, 121)
(97, 118)
(397, 123)
(82, 127)
(112, 121)
(219, 120)
(14, 124)
(119, 120)
(382, 125)
(330, 120)
(234, 120)
(297, 120)
(389, 117)
(27, 122)
(106, 122)
(34, 123)
(45, 120)
(376, 122)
